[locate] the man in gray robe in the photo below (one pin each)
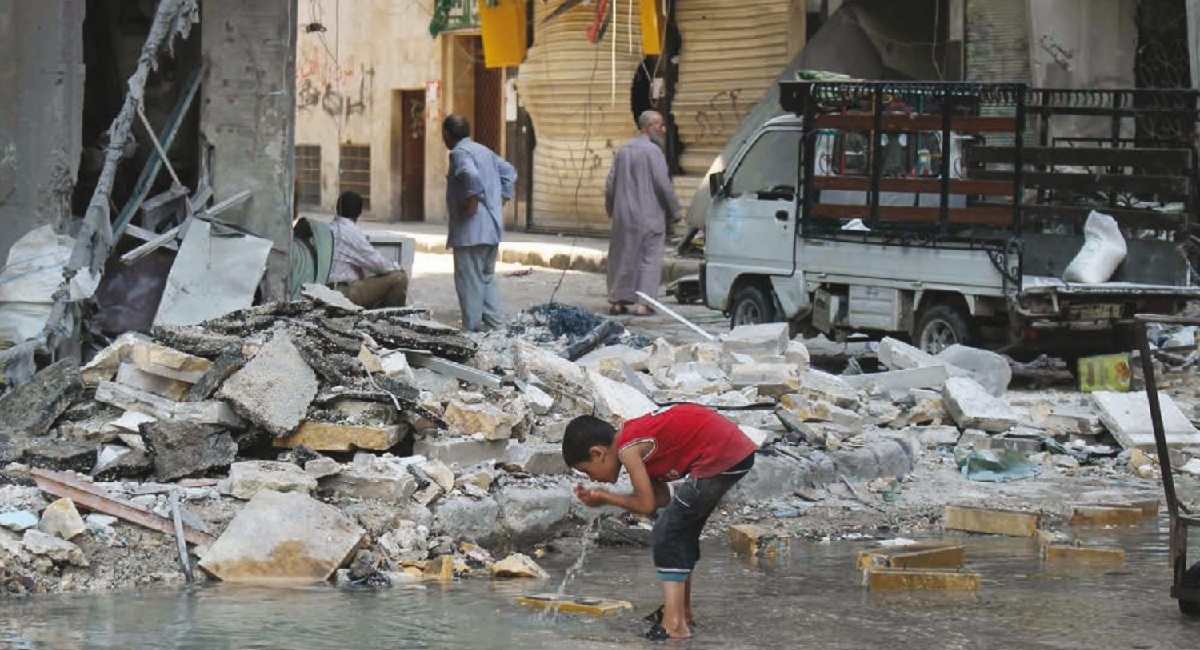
(639, 199)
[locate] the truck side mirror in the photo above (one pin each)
(716, 183)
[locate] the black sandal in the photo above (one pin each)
(658, 633)
(617, 309)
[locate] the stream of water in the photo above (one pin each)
(810, 600)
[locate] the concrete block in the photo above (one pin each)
(808, 410)
(322, 467)
(162, 361)
(283, 537)
(518, 565)
(161, 408)
(173, 389)
(975, 439)
(532, 514)
(248, 478)
(1127, 418)
(618, 403)
(941, 436)
(757, 340)
(898, 355)
(119, 461)
(330, 298)
(924, 555)
(103, 366)
(532, 361)
(464, 518)
(574, 605)
(538, 460)
(1083, 554)
(797, 354)
(463, 452)
(1106, 516)
(275, 388)
(633, 357)
(31, 408)
(622, 373)
(184, 449)
(990, 370)
(772, 379)
(482, 418)
(755, 540)
(539, 401)
(373, 477)
(973, 408)
(895, 579)
(880, 383)
(330, 436)
(62, 520)
(989, 521)
(818, 385)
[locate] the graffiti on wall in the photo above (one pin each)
(340, 89)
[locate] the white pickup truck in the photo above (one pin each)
(914, 210)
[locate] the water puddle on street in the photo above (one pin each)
(810, 600)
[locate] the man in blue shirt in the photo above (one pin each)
(478, 186)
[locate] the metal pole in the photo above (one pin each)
(180, 542)
(658, 305)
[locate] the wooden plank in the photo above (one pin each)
(1143, 184)
(94, 498)
(1083, 156)
(914, 185)
(959, 123)
(989, 216)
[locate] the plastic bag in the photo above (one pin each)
(1103, 251)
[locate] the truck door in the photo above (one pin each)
(752, 224)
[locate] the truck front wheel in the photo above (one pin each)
(751, 306)
(940, 327)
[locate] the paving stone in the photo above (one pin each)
(330, 436)
(633, 357)
(382, 478)
(518, 565)
(283, 537)
(185, 449)
(161, 408)
(482, 418)
(757, 340)
(818, 385)
(31, 408)
(991, 370)
(972, 407)
(248, 478)
(58, 550)
(618, 403)
(62, 520)
(1127, 418)
(275, 388)
(990, 521)
(538, 460)
(463, 452)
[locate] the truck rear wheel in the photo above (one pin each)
(751, 306)
(940, 327)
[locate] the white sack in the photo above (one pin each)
(1103, 251)
(28, 282)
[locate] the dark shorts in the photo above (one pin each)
(677, 531)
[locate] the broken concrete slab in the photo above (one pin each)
(464, 518)
(772, 379)
(161, 408)
(187, 449)
(482, 418)
(1127, 418)
(118, 461)
(275, 388)
(330, 436)
(991, 370)
(62, 520)
(283, 537)
(463, 452)
(766, 339)
(328, 297)
(545, 366)
(162, 361)
(975, 439)
(58, 550)
(518, 565)
(972, 407)
(537, 460)
(60, 455)
(818, 385)
(618, 403)
(531, 514)
(633, 357)
(880, 383)
(173, 389)
(103, 366)
(32, 407)
(248, 478)
(383, 478)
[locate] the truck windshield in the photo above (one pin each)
(770, 168)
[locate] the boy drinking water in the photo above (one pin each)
(689, 442)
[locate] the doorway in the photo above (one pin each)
(489, 100)
(408, 152)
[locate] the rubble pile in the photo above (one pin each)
(412, 447)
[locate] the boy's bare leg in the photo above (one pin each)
(675, 596)
(688, 616)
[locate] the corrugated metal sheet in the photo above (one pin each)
(731, 54)
(562, 77)
(998, 40)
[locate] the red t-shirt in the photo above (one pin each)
(689, 440)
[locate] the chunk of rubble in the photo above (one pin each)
(62, 520)
(617, 402)
(118, 461)
(248, 478)
(532, 361)
(185, 449)
(537, 460)
(937, 436)
(329, 297)
(797, 354)
(972, 407)
(167, 363)
(129, 375)
(766, 339)
(880, 383)
(518, 565)
(161, 408)
(103, 366)
(633, 357)
(818, 385)
(60, 455)
(32, 407)
(332, 436)
(480, 476)
(283, 537)
(809, 410)
(1127, 418)
(18, 521)
(539, 401)
(275, 388)
(322, 467)
(439, 473)
(991, 370)
(772, 379)
(483, 418)
(384, 478)
(59, 550)
(461, 451)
